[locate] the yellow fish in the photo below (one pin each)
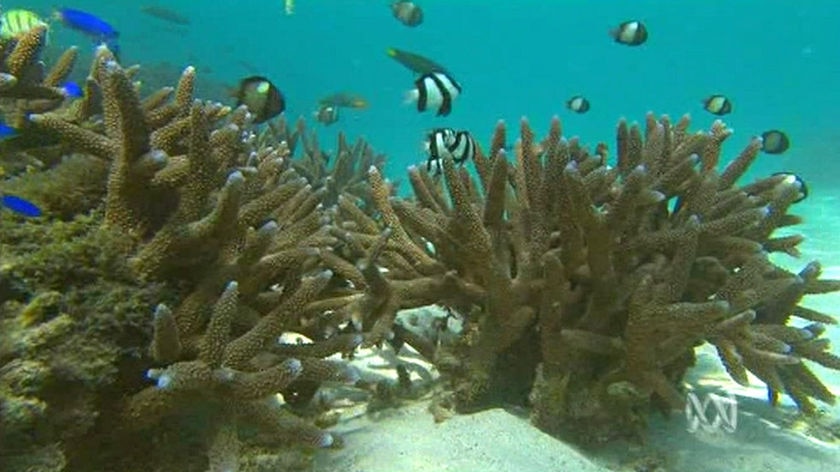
(15, 23)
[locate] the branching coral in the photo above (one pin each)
(26, 87)
(587, 286)
(200, 213)
(345, 173)
(583, 288)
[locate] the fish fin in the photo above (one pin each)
(410, 96)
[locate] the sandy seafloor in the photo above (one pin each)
(766, 439)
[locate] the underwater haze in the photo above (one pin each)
(776, 60)
(775, 64)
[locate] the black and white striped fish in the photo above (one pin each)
(442, 142)
(436, 90)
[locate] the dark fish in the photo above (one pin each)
(300, 392)
(802, 187)
(434, 91)
(263, 99)
(578, 104)
(408, 13)
(344, 99)
(403, 378)
(20, 205)
(326, 114)
(774, 142)
(165, 14)
(415, 62)
(717, 105)
(630, 33)
(442, 142)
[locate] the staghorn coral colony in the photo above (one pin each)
(140, 319)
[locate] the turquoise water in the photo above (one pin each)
(776, 60)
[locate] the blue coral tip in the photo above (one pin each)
(326, 440)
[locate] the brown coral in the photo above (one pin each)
(586, 286)
(201, 212)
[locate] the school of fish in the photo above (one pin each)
(434, 89)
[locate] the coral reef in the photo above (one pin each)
(27, 87)
(584, 287)
(184, 213)
(145, 312)
(347, 174)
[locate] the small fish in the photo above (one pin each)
(442, 142)
(326, 114)
(86, 23)
(72, 90)
(802, 187)
(20, 205)
(578, 104)
(7, 131)
(408, 13)
(15, 23)
(717, 105)
(344, 99)
(263, 99)
(630, 33)
(774, 141)
(300, 392)
(415, 62)
(434, 91)
(289, 7)
(165, 14)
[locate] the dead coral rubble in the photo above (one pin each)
(585, 286)
(230, 235)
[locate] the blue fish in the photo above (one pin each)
(87, 23)
(72, 90)
(20, 205)
(6, 131)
